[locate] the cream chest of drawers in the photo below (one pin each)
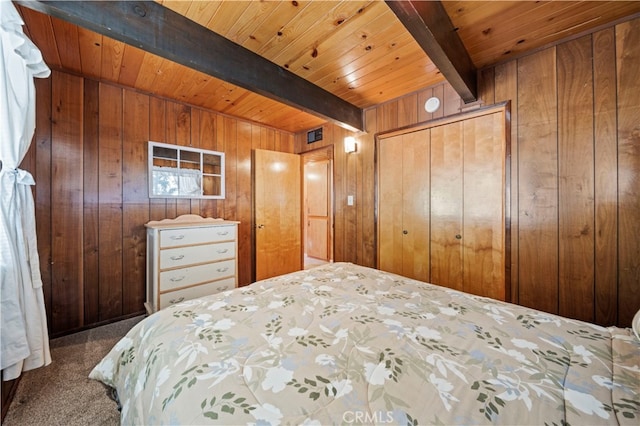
(189, 257)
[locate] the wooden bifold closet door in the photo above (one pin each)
(442, 203)
(403, 219)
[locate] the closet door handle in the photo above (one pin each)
(405, 232)
(458, 237)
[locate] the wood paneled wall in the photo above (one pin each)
(575, 173)
(89, 159)
(575, 180)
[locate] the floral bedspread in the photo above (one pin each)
(345, 344)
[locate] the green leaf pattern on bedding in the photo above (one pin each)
(343, 344)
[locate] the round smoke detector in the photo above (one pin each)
(432, 105)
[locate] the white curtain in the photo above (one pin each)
(23, 322)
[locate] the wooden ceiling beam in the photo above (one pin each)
(161, 31)
(431, 27)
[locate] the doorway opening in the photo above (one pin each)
(317, 204)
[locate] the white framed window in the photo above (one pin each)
(184, 172)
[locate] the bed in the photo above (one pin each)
(346, 344)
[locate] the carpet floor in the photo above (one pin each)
(62, 393)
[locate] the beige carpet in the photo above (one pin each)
(62, 393)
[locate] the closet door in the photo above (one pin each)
(415, 205)
(467, 205)
(403, 213)
(484, 216)
(390, 204)
(442, 203)
(447, 205)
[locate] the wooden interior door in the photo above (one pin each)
(446, 205)
(277, 213)
(484, 217)
(317, 180)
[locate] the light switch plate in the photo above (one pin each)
(349, 200)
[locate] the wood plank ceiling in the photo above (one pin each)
(357, 50)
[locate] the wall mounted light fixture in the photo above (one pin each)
(349, 144)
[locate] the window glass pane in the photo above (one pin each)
(211, 185)
(211, 164)
(165, 181)
(190, 157)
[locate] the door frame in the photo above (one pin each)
(319, 154)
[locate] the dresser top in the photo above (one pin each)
(189, 220)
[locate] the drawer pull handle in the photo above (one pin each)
(222, 250)
(176, 279)
(177, 257)
(225, 269)
(172, 301)
(177, 237)
(222, 288)
(223, 232)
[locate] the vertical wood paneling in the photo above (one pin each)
(93, 157)
(408, 110)
(486, 85)
(367, 192)
(42, 175)
(506, 89)
(67, 226)
(628, 83)
(157, 133)
(538, 181)
(135, 194)
(195, 142)
(340, 188)
(387, 116)
(110, 201)
(179, 133)
(350, 212)
(438, 92)
(221, 139)
(576, 181)
(243, 201)
(451, 102)
(91, 219)
(606, 183)
(206, 137)
(66, 203)
(423, 96)
(231, 150)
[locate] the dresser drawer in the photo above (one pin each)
(177, 296)
(183, 277)
(187, 236)
(183, 256)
